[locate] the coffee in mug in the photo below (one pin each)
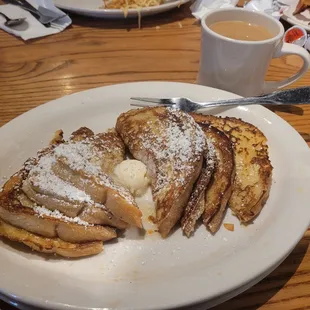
(239, 30)
(235, 54)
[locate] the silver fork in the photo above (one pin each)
(285, 97)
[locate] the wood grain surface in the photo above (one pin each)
(93, 53)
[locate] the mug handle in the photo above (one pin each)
(289, 49)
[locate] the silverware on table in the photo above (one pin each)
(11, 22)
(285, 97)
(44, 15)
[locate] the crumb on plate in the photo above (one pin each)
(229, 226)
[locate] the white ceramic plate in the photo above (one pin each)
(92, 8)
(151, 273)
(302, 19)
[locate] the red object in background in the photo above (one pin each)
(293, 35)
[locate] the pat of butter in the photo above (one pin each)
(132, 174)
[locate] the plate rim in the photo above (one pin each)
(36, 301)
(118, 12)
(289, 17)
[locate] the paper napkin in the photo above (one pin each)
(201, 7)
(32, 28)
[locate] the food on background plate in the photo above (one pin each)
(75, 194)
(130, 4)
(302, 6)
(126, 5)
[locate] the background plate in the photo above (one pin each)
(147, 272)
(91, 8)
(302, 19)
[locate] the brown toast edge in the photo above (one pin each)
(49, 245)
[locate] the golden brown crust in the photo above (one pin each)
(58, 137)
(153, 136)
(220, 187)
(55, 222)
(108, 150)
(17, 209)
(20, 220)
(52, 203)
(196, 204)
(89, 212)
(49, 245)
(112, 150)
(104, 151)
(81, 134)
(110, 197)
(108, 144)
(100, 216)
(13, 212)
(253, 168)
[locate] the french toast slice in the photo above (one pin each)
(220, 187)
(108, 148)
(196, 204)
(50, 215)
(77, 173)
(101, 188)
(91, 212)
(53, 202)
(253, 176)
(18, 210)
(171, 145)
(49, 245)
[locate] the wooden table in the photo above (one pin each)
(95, 53)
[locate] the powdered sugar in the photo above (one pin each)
(41, 175)
(211, 155)
(183, 137)
(177, 146)
(42, 211)
(79, 156)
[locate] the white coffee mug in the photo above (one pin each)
(240, 66)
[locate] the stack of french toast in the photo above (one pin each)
(66, 200)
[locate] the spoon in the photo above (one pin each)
(11, 22)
